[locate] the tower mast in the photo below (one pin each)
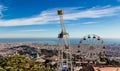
(64, 52)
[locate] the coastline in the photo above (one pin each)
(108, 41)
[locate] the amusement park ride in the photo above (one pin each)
(64, 52)
(91, 48)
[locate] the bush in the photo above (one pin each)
(20, 63)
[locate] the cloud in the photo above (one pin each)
(38, 30)
(74, 13)
(88, 23)
(2, 8)
(93, 13)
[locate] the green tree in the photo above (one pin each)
(20, 63)
(1, 69)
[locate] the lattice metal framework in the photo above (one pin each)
(64, 52)
(91, 48)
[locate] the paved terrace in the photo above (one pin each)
(107, 69)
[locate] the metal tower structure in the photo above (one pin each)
(64, 52)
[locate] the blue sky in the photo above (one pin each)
(38, 18)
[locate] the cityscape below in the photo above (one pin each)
(47, 49)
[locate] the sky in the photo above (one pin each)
(39, 19)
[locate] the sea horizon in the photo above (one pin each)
(107, 41)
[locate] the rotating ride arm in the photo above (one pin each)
(63, 33)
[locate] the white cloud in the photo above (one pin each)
(73, 13)
(93, 13)
(88, 23)
(2, 8)
(38, 30)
